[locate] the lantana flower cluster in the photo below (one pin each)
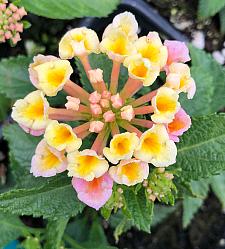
(133, 134)
(10, 22)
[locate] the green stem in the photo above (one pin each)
(72, 242)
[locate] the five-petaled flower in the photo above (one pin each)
(131, 134)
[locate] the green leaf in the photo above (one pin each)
(201, 149)
(69, 9)
(218, 186)
(103, 62)
(209, 77)
(207, 8)
(53, 200)
(22, 145)
(222, 21)
(161, 213)
(14, 78)
(192, 204)
(139, 208)
(11, 228)
(55, 231)
(4, 107)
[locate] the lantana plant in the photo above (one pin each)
(135, 134)
(10, 22)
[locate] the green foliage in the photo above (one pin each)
(207, 8)
(218, 186)
(103, 62)
(192, 204)
(222, 20)
(140, 210)
(54, 199)
(14, 79)
(209, 77)
(31, 243)
(22, 145)
(161, 213)
(201, 149)
(69, 9)
(11, 228)
(162, 186)
(81, 234)
(55, 231)
(4, 107)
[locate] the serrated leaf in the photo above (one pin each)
(209, 77)
(161, 213)
(4, 107)
(192, 204)
(222, 21)
(53, 200)
(139, 208)
(207, 8)
(190, 207)
(14, 79)
(69, 9)
(103, 62)
(218, 186)
(22, 145)
(201, 149)
(55, 231)
(11, 228)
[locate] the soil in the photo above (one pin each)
(207, 231)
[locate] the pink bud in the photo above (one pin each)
(96, 109)
(94, 97)
(96, 126)
(2, 7)
(95, 75)
(16, 16)
(127, 112)
(1, 32)
(10, 20)
(104, 103)
(109, 116)
(8, 12)
(12, 27)
(13, 7)
(19, 27)
(117, 101)
(22, 12)
(16, 38)
(106, 95)
(8, 35)
(72, 103)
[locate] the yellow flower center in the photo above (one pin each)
(56, 76)
(152, 144)
(130, 170)
(165, 104)
(50, 160)
(140, 71)
(86, 164)
(150, 52)
(34, 110)
(122, 146)
(119, 46)
(63, 135)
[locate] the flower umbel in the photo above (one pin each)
(110, 134)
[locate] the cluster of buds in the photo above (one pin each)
(160, 186)
(131, 134)
(10, 22)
